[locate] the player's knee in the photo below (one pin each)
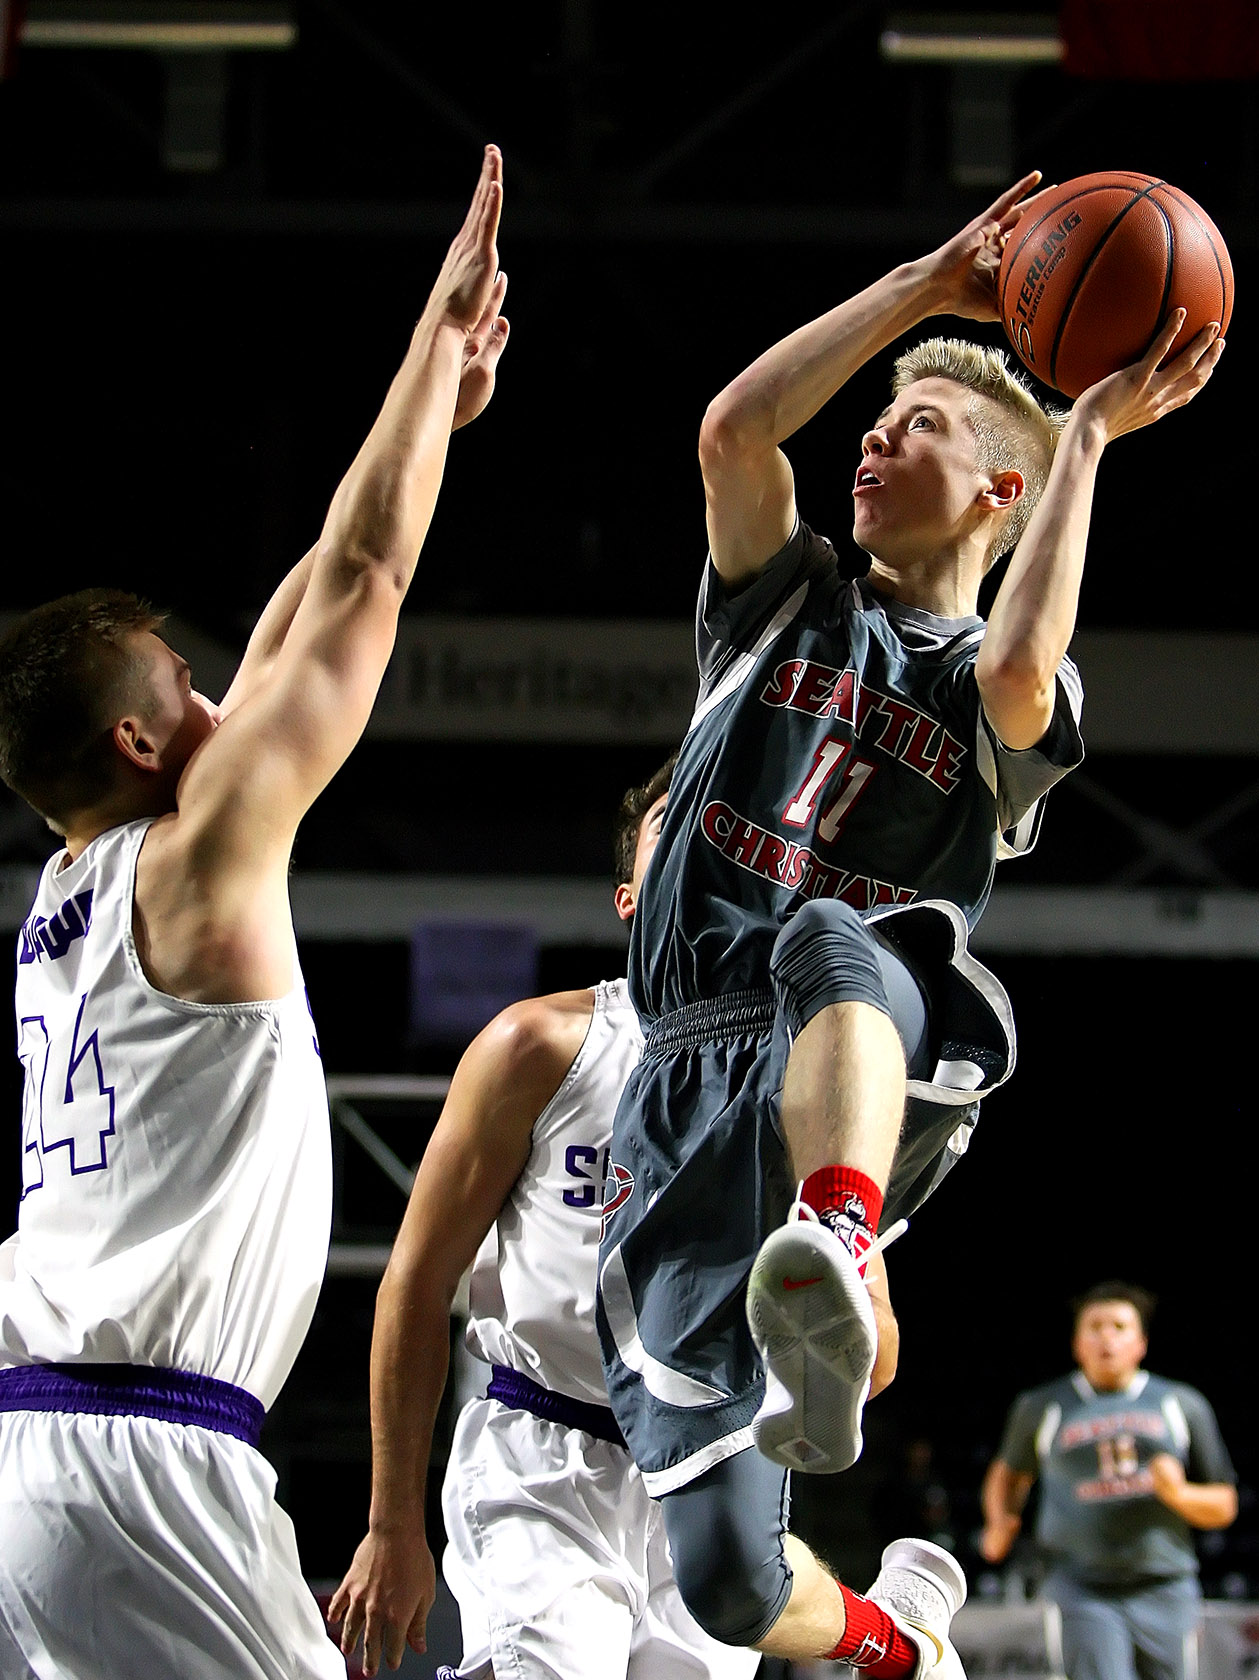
(825, 955)
(733, 1596)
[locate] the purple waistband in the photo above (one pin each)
(134, 1391)
(514, 1389)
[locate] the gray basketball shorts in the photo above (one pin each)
(699, 1175)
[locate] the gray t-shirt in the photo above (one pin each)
(1099, 1519)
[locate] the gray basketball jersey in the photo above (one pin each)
(1099, 1519)
(838, 748)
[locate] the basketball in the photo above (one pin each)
(1092, 271)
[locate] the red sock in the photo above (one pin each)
(872, 1641)
(849, 1202)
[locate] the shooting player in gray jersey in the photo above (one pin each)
(1129, 1465)
(863, 749)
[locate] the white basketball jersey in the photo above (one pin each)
(176, 1165)
(532, 1288)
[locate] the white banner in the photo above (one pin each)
(509, 679)
(634, 680)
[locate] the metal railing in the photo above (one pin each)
(346, 1092)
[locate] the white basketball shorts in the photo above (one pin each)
(558, 1559)
(132, 1547)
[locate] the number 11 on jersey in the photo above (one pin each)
(855, 773)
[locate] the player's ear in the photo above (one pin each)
(624, 900)
(1003, 492)
(134, 741)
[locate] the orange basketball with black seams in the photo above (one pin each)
(1092, 271)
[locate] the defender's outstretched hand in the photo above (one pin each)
(1139, 395)
(964, 271)
(485, 344)
(467, 279)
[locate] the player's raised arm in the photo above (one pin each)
(1034, 611)
(267, 636)
(482, 348)
(481, 1142)
(748, 482)
(316, 676)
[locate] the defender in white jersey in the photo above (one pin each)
(556, 1554)
(176, 1178)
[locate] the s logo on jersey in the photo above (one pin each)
(618, 1187)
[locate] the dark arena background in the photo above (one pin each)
(215, 242)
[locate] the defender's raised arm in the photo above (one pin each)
(314, 665)
(328, 637)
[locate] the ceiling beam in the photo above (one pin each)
(159, 25)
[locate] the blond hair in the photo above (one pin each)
(1013, 430)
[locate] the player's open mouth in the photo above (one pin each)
(866, 480)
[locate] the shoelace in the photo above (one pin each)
(802, 1210)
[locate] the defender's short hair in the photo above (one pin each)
(1114, 1289)
(1013, 430)
(634, 806)
(66, 676)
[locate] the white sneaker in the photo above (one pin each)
(810, 1316)
(922, 1588)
